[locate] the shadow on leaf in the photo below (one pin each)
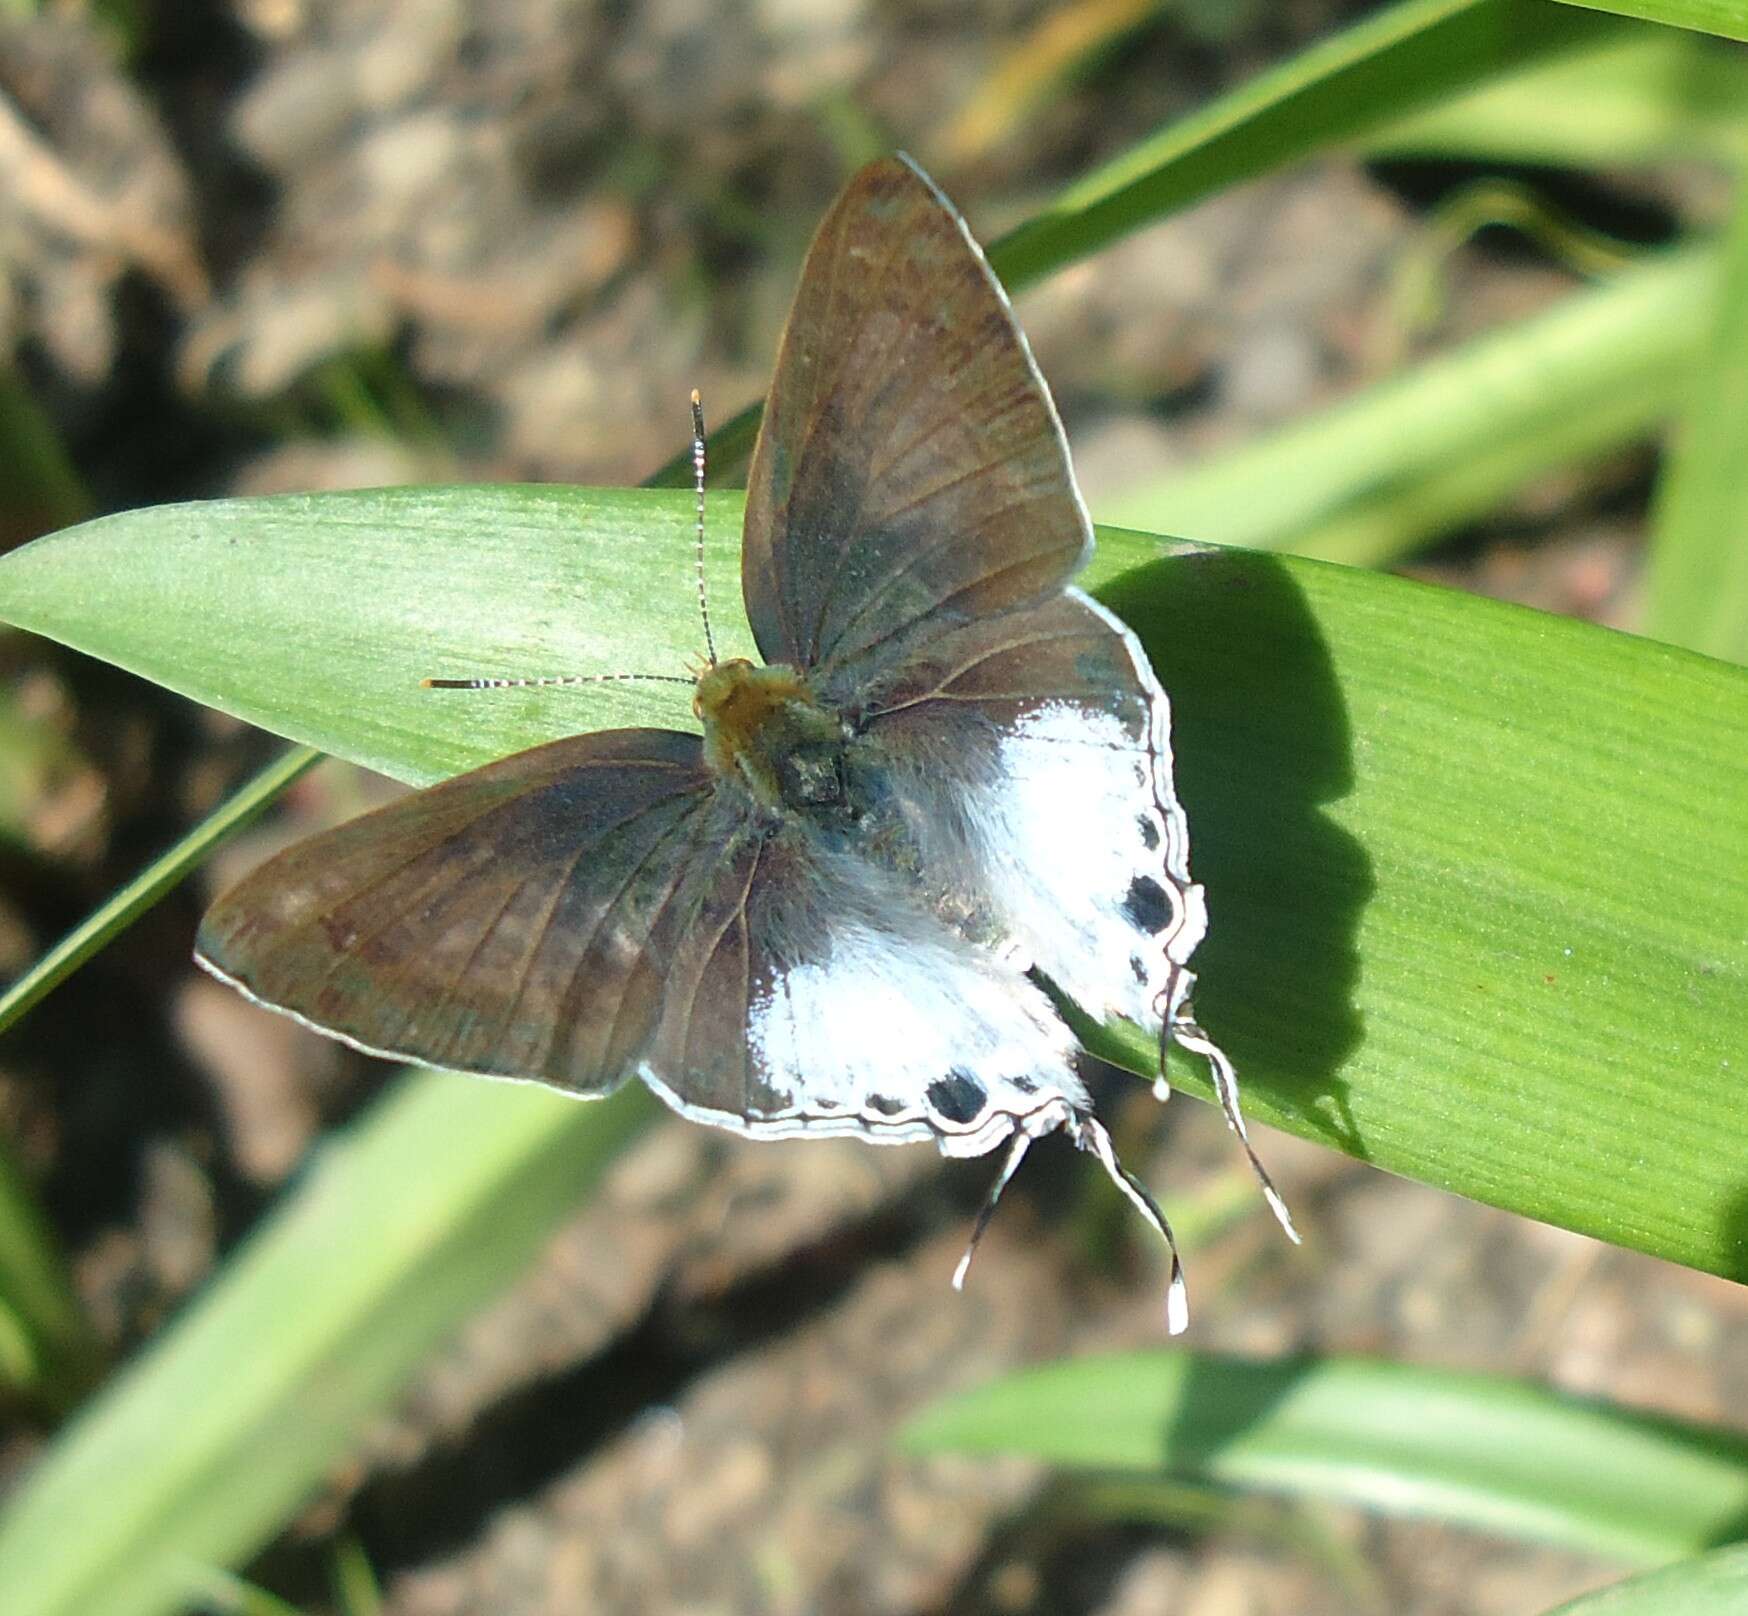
(1262, 743)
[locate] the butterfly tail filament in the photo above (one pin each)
(1016, 1154)
(1090, 1134)
(1184, 1029)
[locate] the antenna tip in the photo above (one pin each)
(427, 684)
(697, 398)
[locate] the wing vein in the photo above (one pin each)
(690, 824)
(715, 943)
(877, 277)
(561, 1021)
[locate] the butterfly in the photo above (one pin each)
(832, 913)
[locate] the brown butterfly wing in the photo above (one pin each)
(514, 921)
(910, 468)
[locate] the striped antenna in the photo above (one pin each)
(613, 678)
(560, 679)
(698, 483)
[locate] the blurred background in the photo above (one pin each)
(284, 245)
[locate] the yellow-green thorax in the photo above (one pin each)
(764, 727)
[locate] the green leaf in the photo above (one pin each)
(1644, 95)
(318, 615)
(1728, 18)
(1697, 589)
(1479, 876)
(1370, 478)
(1479, 879)
(403, 1226)
(1475, 1450)
(1706, 1586)
(1397, 61)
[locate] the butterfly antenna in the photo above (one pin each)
(1089, 1133)
(560, 679)
(1016, 1154)
(698, 483)
(1191, 1036)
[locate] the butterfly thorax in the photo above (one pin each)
(764, 727)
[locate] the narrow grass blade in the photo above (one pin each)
(1479, 876)
(49, 1353)
(1372, 477)
(356, 1590)
(164, 874)
(197, 1452)
(230, 1595)
(1408, 56)
(731, 449)
(336, 606)
(1644, 95)
(1505, 1456)
(43, 489)
(1697, 589)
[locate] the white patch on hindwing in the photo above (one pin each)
(871, 1018)
(909, 1029)
(1061, 837)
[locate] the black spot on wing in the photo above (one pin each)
(957, 1097)
(1149, 831)
(1148, 905)
(885, 1104)
(1139, 967)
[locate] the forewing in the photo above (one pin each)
(910, 468)
(1029, 754)
(515, 921)
(815, 995)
